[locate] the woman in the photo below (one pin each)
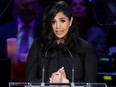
(60, 50)
(88, 26)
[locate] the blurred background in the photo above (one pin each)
(103, 31)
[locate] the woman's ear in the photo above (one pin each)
(71, 21)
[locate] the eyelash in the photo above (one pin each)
(53, 22)
(60, 21)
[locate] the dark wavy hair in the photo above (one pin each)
(48, 35)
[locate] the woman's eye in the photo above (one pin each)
(53, 22)
(62, 21)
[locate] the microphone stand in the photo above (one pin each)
(43, 69)
(43, 72)
(72, 83)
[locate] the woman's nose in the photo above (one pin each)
(57, 25)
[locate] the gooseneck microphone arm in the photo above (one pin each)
(43, 68)
(43, 73)
(72, 83)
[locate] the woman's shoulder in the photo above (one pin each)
(37, 42)
(84, 47)
(83, 44)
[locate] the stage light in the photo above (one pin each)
(107, 77)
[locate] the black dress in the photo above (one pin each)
(83, 59)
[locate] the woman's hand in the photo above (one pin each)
(59, 76)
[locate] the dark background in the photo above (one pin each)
(105, 16)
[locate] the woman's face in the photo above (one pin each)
(60, 25)
(79, 8)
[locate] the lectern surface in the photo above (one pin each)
(29, 84)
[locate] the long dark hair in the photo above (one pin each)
(48, 35)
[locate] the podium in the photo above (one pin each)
(29, 84)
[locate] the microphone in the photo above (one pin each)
(72, 83)
(43, 73)
(43, 68)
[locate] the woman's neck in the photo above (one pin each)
(60, 41)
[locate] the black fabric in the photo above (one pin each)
(84, 61)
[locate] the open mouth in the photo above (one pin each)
(59, 32)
